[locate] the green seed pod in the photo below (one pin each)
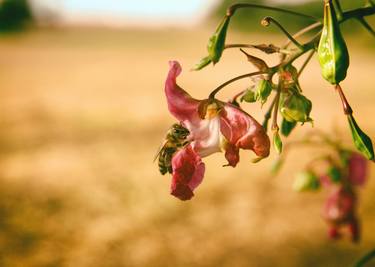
(287, 127)
(296, 108)
(249, 96)
(332, 51)
(216, 42)
(263, 90)
(306, 181)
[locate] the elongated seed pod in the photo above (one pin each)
(332, 51)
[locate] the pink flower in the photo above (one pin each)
(357, 169)
(339, 210)
(214, 126)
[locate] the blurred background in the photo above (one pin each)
(83, 112)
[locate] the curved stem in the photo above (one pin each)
(367, 26)
(345, 104)
(275, 127)
(309, 57)
(338, 8)
(302, 32)
(266, 21)
(267, 116)
(268, 49)
(215, 91)
(365, 259)
(232, 9)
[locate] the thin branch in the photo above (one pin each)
(358, 13)
(339, 9)
(365, 259)
(275, 127)
(302, 32)
(215, 91)
(268, 49)
(345, 104)
(305, 63)
(232, 9)
(367, 26)
(266, 22)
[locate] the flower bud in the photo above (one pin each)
(263, 90)
(216, 42)
(334, 174)
(277, 143)
(332, 51)
(215, 45)
(296, 108)
(306, 181)
(249, 96)
(287, 127)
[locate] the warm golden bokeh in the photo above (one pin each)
(82, 114)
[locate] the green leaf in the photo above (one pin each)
(334, 174)
(306, 181)
(287, 127)
(202, 63)
(361, 141)
(277, 143)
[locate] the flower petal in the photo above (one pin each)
(357, 169)
(188, 170)
(243, 131)
(180, 103)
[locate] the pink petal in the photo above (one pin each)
(243, 131)
(357, 169)
(180, 103)
(339, 206)
(188, 171)
(232, 154)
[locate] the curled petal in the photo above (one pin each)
(243, 131)
(180, 103)
(232, 154)
(188, 170)
(357, 169)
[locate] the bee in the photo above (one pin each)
(175, 139)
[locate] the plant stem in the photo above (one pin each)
(267, 20)
(275, 127)
(232, 9)
(367, 26)
(338, 8)
(215, 91)
(365, 259)
(358, 13)
(345, 104)
(309, 57)
(268, 49)
(267, 116)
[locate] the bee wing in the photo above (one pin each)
(160, 149)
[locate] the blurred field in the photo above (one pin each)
(82, 113)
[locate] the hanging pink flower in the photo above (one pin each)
(357, 169)
(339, 210)
(214, 126)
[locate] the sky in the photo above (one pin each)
(127, 12)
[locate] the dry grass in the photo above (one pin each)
(82, 112)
